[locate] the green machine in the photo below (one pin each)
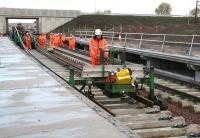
(115, 79)
(118, 80)
(124, 81)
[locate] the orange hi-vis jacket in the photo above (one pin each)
(42, 41)
(62, 39)
(28, 41)
(44, 38)
(56, 40)
(72, 42)
(51, 38)
(94, 47)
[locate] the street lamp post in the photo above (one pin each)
(196, 11)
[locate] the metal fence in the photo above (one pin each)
(188, 45)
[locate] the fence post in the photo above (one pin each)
(125, 39)
(112, 38)
(163, 44)
(190, 50)
(85, 34)
(141, 40)
(151, 83)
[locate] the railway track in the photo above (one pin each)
(191, 93)
(146, 121)
(173, 87)
(176, 91)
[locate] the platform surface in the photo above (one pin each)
(34, 104)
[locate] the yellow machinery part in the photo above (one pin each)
(122, 73)
(124, 77)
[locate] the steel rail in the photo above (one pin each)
(174, 91)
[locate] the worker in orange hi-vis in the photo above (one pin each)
(51, 39)
(55, 41)
(96, 44)
(44, 38)
(42, 41)
(72, 42)
(58, 39)
(62, 39)
(28, 41)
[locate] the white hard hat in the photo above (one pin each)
(98, 32)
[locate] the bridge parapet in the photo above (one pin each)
(47, 19)
(12, 12)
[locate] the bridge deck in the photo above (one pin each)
(34, 104)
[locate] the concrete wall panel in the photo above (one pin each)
(48, 24)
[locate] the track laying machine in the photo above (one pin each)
(118, 80)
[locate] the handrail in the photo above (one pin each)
(110, 32)
(153, 39)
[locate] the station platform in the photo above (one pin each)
(34, 104)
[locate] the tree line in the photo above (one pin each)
(163, 9)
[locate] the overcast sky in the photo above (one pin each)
(179, 7)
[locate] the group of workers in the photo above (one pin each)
(55, 40)
(97, 44)
(59, 39)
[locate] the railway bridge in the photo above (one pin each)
(46, 19)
